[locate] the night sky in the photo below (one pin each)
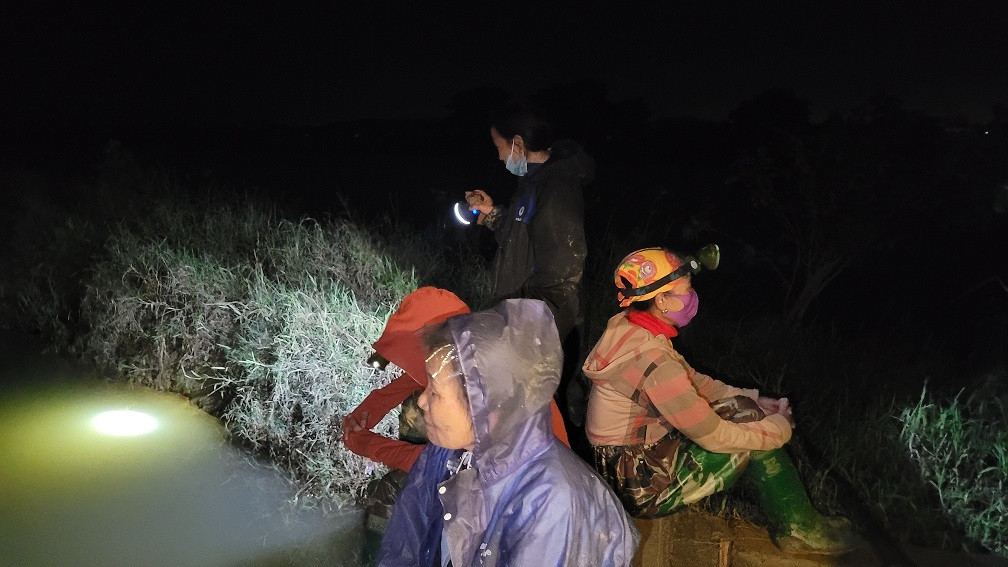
(124, 66)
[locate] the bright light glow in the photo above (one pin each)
(461, 218)
(124, 423)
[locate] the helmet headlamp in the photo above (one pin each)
(377, 361)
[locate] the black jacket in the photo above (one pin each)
(541, 242)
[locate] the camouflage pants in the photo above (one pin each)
(378, 501)
(380, 495)
(656, 480)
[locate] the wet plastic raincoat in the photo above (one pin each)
(526, 499)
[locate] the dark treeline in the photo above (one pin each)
(876, 216)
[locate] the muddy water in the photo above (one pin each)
(98, 475)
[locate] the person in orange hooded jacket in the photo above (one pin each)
(400, 344)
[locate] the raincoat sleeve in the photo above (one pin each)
(391, 452)
(671, 392)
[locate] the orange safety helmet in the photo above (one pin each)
(647, 272)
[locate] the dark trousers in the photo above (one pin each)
(572, 394)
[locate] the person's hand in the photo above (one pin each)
(771, 406)
(768, 405)
(354, 424)
(478, 200)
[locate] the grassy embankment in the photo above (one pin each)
(265, 322)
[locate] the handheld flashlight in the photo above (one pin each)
(462, 213)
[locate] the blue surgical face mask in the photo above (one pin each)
(518, 166)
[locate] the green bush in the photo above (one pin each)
(961, 449)
(852, 437)
(261, 321)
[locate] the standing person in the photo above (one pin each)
(494, 486)
(666, 435)
(540, 236)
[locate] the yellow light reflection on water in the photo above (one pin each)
(81, 485)
(84, 434)
(124, 423)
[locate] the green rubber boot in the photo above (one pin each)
(797, 527)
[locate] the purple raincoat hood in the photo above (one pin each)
(511, 359)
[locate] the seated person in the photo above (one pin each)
(657, 439)
(400, 345)
(495, 486)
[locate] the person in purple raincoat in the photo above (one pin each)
(495, 487)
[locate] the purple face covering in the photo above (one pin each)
(690, 301)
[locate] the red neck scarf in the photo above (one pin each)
(653, 324)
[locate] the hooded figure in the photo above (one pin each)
(517, 496)
(398, 344)
(401, 345)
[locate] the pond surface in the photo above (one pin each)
(92, 474)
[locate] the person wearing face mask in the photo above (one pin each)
(540, 236)
(665, 435)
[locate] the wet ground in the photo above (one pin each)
(157, 486)
(694, 538)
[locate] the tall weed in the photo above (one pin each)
(961, 449)
(848, 396)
